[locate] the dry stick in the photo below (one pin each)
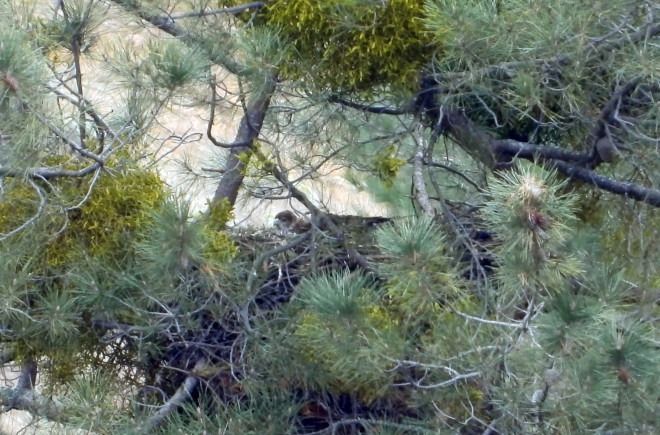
(262, 258)
(182, 395)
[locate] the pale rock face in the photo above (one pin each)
(15, 422)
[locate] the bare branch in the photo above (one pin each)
(456, 172)
(182, 395)
(209, 127)
(47, 173)
(520, 325)
(629, 190)
(233, 10)
(448, 382)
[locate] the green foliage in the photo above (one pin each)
(20, 66)
(343, 331)
(267, 413)
(171, 65)
(22, 73)
(526, 93)
(590, 364)
(100, 229)
(112, 284)
(93, 401)
(78, 26)
(351, 44)
(118, 205)
(418, 268)
(416, 239)
(175, 241)
(531, 216)
(627, 235)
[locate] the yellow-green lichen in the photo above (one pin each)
(349, 45)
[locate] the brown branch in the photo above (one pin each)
(233, 10)
(293, 190)
(209, 127)
(496, 152)
(604, 148)
(507, 148)
(629, 190)
(239, 156)
(76, 51)
(609, 110)
(469, 136)
(59, 133)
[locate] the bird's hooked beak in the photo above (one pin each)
(280, 228)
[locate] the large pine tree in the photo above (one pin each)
(512, 288)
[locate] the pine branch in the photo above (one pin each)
(493, 152)
(47, 173)
(167, 25)
(570, 163)
(628, 190)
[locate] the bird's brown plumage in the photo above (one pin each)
(286, 223)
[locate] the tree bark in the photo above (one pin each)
(495, 152)
(239, 156)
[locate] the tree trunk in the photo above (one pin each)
(239, 156)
